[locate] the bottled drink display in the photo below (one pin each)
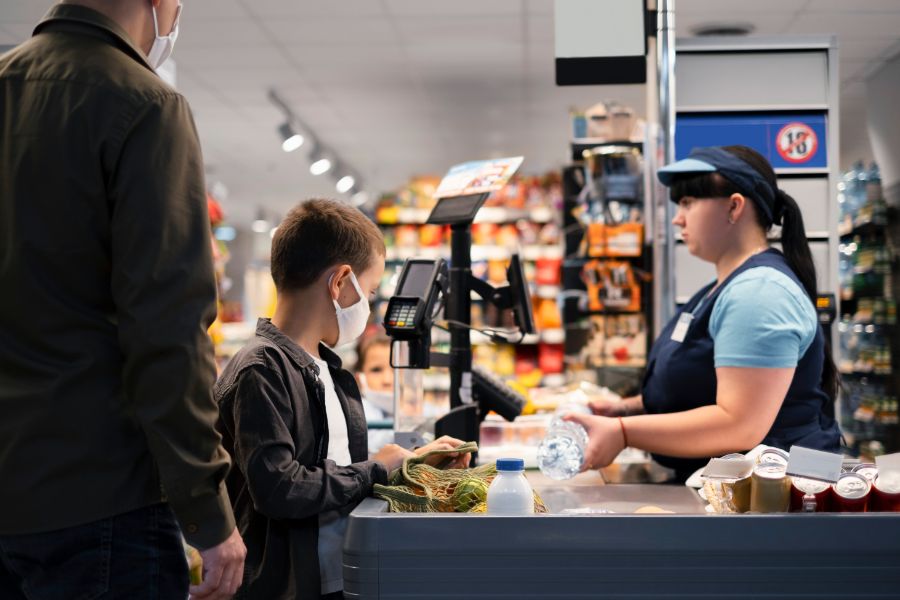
(867, 330)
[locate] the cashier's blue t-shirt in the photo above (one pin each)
(762, 319)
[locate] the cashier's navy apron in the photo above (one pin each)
(682, 376)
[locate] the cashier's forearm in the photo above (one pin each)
(697, 433)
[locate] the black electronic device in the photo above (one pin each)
(520, 295)
(410, 312)
(458, 209)
(492, 393)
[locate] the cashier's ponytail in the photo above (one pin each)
(795, 248)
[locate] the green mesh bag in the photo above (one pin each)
(418, 487)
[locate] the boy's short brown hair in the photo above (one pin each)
(318, 234)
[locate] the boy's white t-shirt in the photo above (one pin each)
(332, 525)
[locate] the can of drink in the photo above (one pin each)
(809, 495)
(850, 493)
(867, 470)
(885, 493)
(771, 489)
(773, 456)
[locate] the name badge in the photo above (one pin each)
(684, 321)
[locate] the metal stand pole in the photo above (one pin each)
(665, 60)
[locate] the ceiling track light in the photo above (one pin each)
(320, 166)
(345, 184)
(291, 140)
(323, 160)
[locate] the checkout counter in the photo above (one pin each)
(591, 544)
(579, 551)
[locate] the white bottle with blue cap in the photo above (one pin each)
(510, 493)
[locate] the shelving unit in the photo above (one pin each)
(868, 331)
(605, 344)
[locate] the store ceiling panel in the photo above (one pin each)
(403, 87)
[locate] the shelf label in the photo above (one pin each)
(814, 464)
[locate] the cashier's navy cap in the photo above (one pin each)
(715, 159)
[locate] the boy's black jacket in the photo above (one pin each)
(272, 420)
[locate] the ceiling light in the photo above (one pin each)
(323, 165)
(359, 198)
(292, 139)
(345, 184)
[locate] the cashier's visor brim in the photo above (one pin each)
(681, 167)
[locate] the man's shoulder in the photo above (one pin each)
(91, 63)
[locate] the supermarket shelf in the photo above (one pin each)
(488, 214)
(549, 292)
(479, 252)
(547, 336)
(859, 228)
(854, 373)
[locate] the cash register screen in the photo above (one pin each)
(417, 280)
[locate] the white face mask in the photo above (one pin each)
(353, 319)
(162, 46)
(384, 401)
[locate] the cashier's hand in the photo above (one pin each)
(605, 439)
(606, 406)
(223, 569)
(458, 460)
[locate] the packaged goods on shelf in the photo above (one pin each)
(867, 332)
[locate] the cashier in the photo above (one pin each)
(745, 361)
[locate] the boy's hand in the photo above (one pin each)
(458, 460)
(391, 456)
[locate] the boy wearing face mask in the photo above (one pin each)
(293, 419)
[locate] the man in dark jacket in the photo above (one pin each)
(106, 371)
(293, 418)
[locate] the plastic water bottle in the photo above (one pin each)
(561, 453)
(510, 493)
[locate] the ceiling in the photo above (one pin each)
(405, 87)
